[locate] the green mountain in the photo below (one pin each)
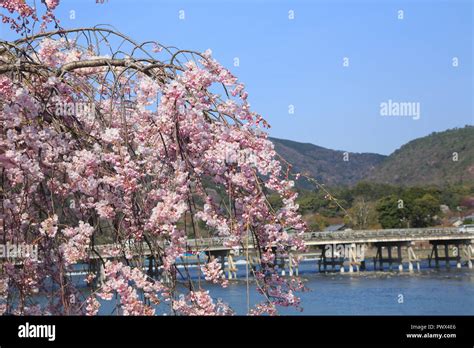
(438, 159)
(329, 167)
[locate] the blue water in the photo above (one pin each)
(428, 292)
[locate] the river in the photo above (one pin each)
(427, 292)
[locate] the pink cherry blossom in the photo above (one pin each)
(140, 153)
(52, 4)
(49, 226)
(213, 273)
(200, 303)
(78, 238)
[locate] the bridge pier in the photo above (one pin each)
(231, 267)
(341, 254)
(446, 255)
(98, 268)
(412, 258)
(457, 255)
(101, 273)
(254, 262)
(435, 252)
(379, 257)
(468, 252)
(286, 262)
(399, 252)
(389, 250)
(93, 268)
(152, 269)
(281, 263)
(155, 270)
(292, 269)
(329, 258)
(354, 259)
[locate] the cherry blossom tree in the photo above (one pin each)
(145, 144)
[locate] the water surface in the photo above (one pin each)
(428, 292)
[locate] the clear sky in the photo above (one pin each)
(299, 61)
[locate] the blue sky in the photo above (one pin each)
(300, 61)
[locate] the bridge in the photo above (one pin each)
(337, 250)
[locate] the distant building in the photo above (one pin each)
(334, 228)
(469, 218)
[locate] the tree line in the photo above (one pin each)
(375, 205)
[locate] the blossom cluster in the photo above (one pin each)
(200, 303)
(213, 273)
(24, 14)
(78, 239)
(126, 282)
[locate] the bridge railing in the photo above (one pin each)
(407, 232)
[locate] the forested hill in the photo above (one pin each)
(329, 167)
(440, 158)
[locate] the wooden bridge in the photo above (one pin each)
(338, 250)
